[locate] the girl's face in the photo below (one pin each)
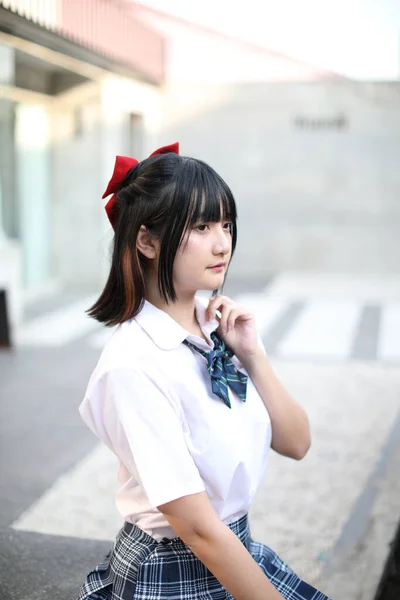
(203, 258)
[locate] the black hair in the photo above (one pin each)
(168, 194)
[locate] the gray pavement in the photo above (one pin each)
(41, 437)
(332, 516)
(43, 567)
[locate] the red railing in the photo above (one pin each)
(107, 27)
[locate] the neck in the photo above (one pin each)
(182, 310)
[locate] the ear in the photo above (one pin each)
(146, 244)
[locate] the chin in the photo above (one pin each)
(214, 283)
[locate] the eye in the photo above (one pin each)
(201, 227)
(228, 226)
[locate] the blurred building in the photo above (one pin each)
(202, 56)
(79, 82)
(310, 156)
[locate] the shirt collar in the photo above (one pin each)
(166, 333)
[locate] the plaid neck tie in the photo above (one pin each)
(222, 370)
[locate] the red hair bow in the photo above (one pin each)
(123, 164)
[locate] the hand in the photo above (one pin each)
(236, 326)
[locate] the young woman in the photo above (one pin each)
(185, 397)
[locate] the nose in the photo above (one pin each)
(222, 240)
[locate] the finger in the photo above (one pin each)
(216, 303)
(238, 313)
(219, 299)
(234, 315)
(225, 312)
(225, 299)
(209, 310)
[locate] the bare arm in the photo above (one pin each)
(218, 548)
(290, 426)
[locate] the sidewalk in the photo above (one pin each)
(331, 516)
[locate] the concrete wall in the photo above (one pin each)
(8, 218)
(10, 249)
(76, 187)
(88, 134)
(314, 168)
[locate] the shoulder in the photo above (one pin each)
(129, 346)
(126, 394)
(116, 380)
(129, 370)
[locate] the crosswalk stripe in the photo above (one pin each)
(320, 328)
(266, 309)
(389, 337)
(366, 338)
(324, 329)
(281, 326)
(59, 327)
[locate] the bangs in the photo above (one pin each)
(207, 197)
(197, 195)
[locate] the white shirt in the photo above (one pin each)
(149, 399)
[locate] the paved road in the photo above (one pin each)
(338, 353)
(318, 319)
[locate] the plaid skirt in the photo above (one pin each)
(141, 568)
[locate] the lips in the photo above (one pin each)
(218, 265)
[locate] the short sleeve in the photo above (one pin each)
(139, 422)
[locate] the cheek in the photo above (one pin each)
(188, 261)
(191, 252)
